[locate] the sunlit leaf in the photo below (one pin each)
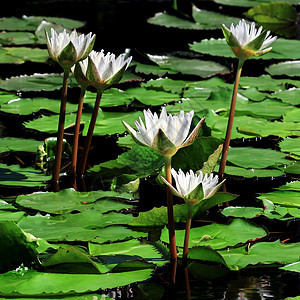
(219, 236)
(282, 49)
(33, 283)
(70, 200)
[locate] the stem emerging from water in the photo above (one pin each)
(89, 136)
(60, 134)
(187, 233)
(76, 136)
(171, 227)
(230, 122)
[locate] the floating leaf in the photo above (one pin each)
(16, 248)
(19, 144)
(291, 96)
(190, 66)
(289, 68)
(250, 3)
(279, 17)
(242, 212)
(204, 20)
(30, 23)
(282, 49)
(36, 82)
(33, 283)
(219, 236)
(14, 175)
(17, 38)
(294, 267)
(256, 158)
(114, 255)
(291, 146)
(27, 106)
(70, 200)
(284, 198)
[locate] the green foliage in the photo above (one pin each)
(279, 17)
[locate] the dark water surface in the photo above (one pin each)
(122, 24)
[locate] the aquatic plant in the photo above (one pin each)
(66, 49)
(244, 41)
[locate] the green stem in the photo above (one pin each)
(76, 136)
(230, 121)
(60, 134)
(171, 226)
(187, 233)
(89, 136)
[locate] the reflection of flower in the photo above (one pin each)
(194, 188)
(246, 41)
(67, 49)
(105, 70)
(166, 133)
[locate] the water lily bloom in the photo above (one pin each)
(105, 70)
(193, 187)
(166, 133)
(79, 71)
(67, 49)
(246, 41)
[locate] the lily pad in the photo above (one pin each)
(282, 49)
(284, 198)
(279, 17)
(14, 175)
(291, 96)
(18, 144)
(291, 146)
(294, 267)
(36, 82)
(203, 20)
(86, 226)
(70, 200)
(288, 68)
(219, 236)
(33, 283)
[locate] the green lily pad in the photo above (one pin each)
(28, 106)
(256, 158)
(14, 175)
(203, 20)
(36, 82)
(17, 38)
(284, 198)
(218, 236)
(20, 55)
(294, 267)
(19, 144)
(242, 212)
(70, 200)
(279, 17)
(11, 216)
(260, 254)
(16, 248)
(282, 49)
(291, 146)
(189, 66)
(30, 23)
(290, 96)
(86, 226)
(250, 3)
(288, 68)
(33, 283)
(114, 255)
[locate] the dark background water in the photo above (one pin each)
(121, 24)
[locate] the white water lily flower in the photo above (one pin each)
(67, 49)
(105, 70)
(192, 187)
(246, 41)
(166, 133)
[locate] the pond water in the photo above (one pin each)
(122, 24)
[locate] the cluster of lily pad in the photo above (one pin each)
(96, 221)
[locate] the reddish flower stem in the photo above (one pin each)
(60, 134)
(230, 123)
(76, 136)
(89, 136)
(171, 226)
(187, 233)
